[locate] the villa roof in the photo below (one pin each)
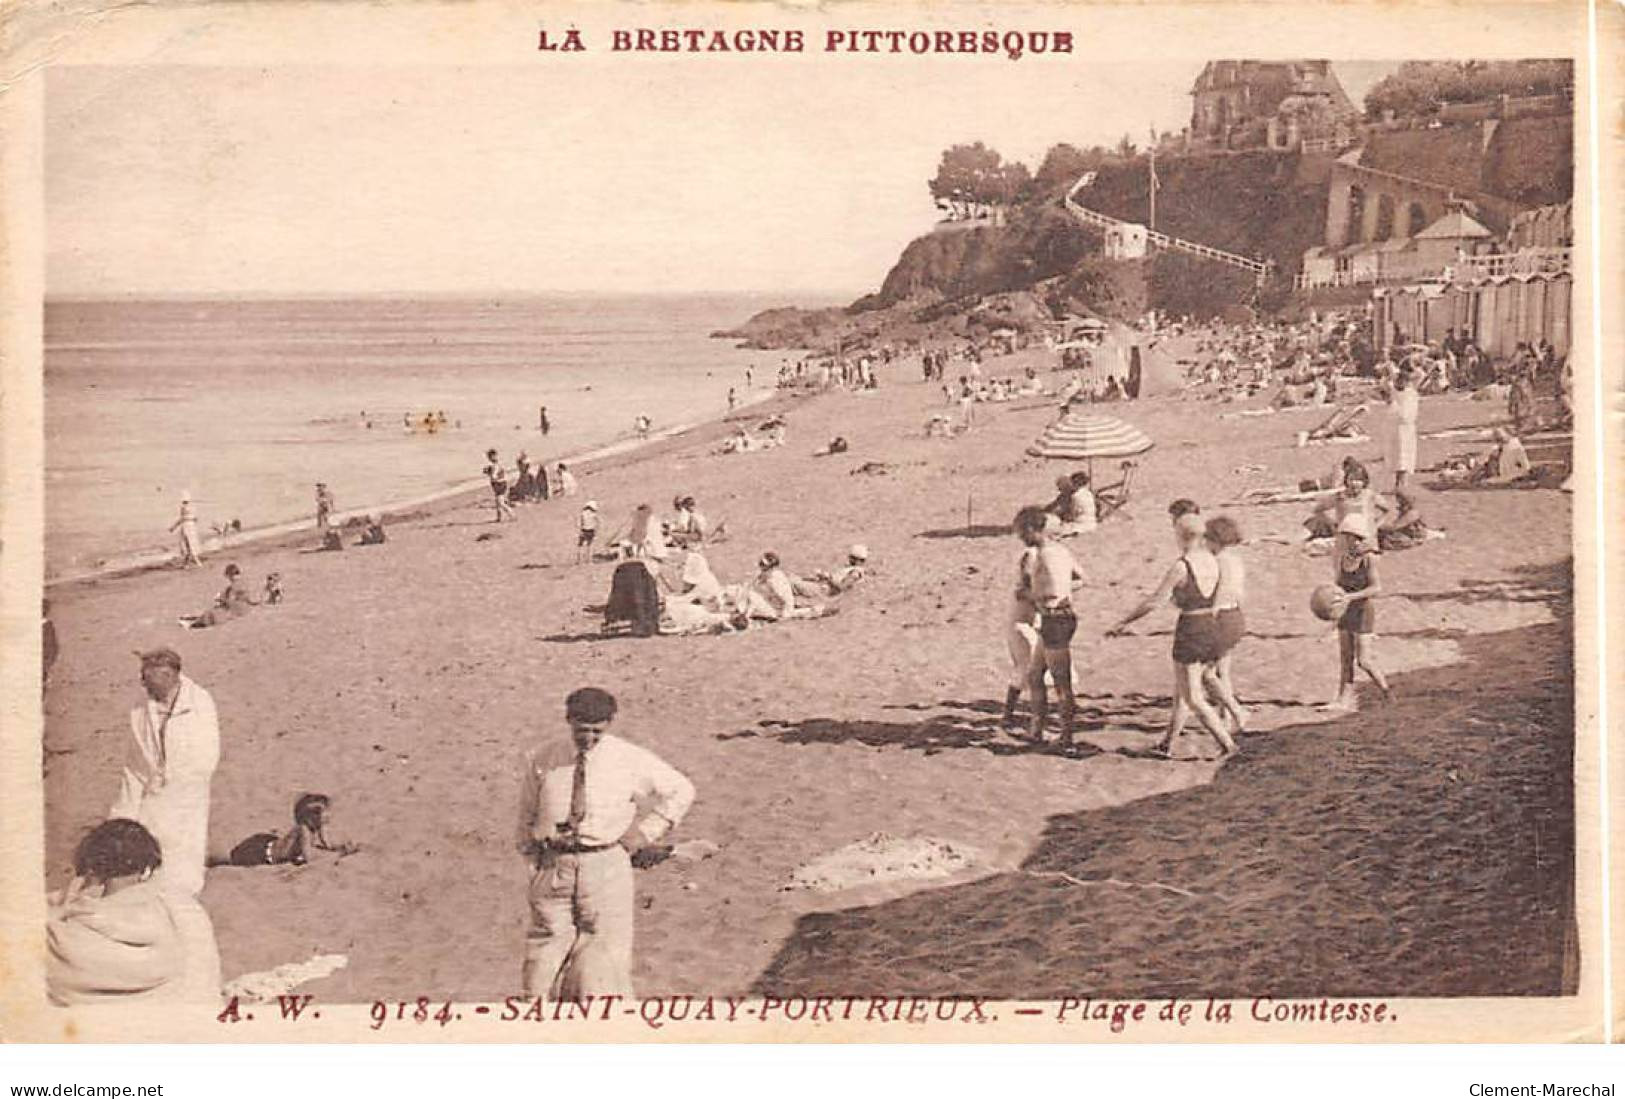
(1454, 226)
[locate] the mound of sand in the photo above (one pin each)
(881, 859)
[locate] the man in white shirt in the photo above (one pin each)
(579, 824)
(175, 747)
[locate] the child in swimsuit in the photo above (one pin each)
(1356, 561)
(312, 813)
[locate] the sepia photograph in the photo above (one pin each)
(748, 523)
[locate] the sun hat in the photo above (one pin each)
(858, 550)
(590, 505)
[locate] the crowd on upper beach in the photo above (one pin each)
(1305, 363)
(130, 925)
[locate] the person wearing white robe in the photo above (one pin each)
(174, 749)
(698, 603)
(1407, 404)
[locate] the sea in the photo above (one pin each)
(246, 404)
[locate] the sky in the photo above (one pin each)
(608, 174)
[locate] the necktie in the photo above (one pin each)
(578, 793)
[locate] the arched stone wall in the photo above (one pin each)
(1383, 227)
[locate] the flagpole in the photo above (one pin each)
(1152, 181)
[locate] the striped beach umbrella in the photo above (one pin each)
(1089, 435)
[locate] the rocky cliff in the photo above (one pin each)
(1267, 204)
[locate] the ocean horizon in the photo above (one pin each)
(247, 402)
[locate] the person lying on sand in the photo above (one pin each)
(837, 445)
(825, 583)
(312, 816)
(740, 442)
(373, 533)
(232, 602)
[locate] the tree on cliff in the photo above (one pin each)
(974, 175)
(1421, 87)
(1064, 164)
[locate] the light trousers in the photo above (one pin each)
(580, 938)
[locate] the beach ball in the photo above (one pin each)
(1327, 602)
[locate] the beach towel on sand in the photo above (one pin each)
(633, 598)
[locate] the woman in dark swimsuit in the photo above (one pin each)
(1191, 582)
(1356, 561)
(1222, 537)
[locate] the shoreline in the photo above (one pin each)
(277, 535)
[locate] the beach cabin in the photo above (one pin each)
(1125, 241)
(1439, 245)
(1362, 262)
(1320, 267)
(1394, 260)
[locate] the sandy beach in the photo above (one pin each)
(1385, 851)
